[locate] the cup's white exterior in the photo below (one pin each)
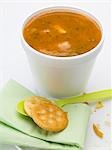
(60, 77)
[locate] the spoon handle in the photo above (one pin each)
(90, 97)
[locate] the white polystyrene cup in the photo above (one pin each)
(59, 77)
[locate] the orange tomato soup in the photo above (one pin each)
(62, 34)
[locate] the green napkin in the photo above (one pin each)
(19, 126)
(11, 136)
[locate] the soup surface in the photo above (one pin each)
(62, 34)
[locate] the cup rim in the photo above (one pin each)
(69, 9)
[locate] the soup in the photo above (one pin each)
(62, 34)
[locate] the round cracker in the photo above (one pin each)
(49, 117)
(31, 102)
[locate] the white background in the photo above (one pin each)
(13, 61)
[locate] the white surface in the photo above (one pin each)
(13, 61)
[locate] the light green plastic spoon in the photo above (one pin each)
(90, 98)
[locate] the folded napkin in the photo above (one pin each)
(18, 129)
